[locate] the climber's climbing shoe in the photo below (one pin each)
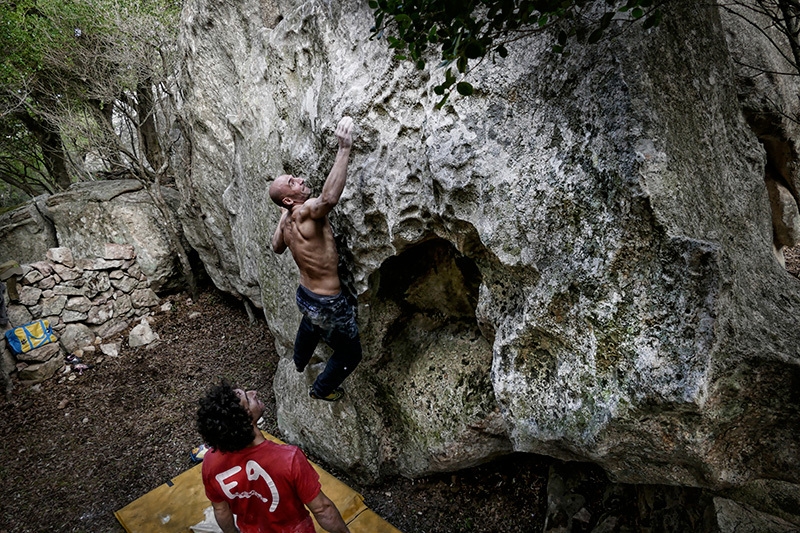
(335, 396)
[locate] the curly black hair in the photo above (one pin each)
(222, 421)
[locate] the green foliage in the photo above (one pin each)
(20, 159)
(463, 31)
(31, 29)
(98, 40)
(63, 65)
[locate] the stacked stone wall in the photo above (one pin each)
(85, 300)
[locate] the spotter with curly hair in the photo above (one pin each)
(256, 485)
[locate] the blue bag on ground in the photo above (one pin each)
(30, 336)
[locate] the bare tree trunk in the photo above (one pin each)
(29, 189)
(105, 112)
(53, 154)
(151, 181)
(148, 130)
(790, 12)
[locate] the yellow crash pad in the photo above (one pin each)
(181, 503)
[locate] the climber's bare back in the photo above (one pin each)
(314, 250)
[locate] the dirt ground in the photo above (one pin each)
(75, 450)
(78, 447)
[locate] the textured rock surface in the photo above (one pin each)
(41, 354)
(141, 335)
(768, 103)
(576, 261)
(95, 219)
(77, 297)
(76, 336)
(91, 215)
(733, 517)
(52, 361)
(25, 234)
(68, 290)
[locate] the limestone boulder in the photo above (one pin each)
(100, 314)
(79, 303)
(95, 283)
(112, 327)
(76, 336)
(18, 315)
(110, 349)
(32, 276)
(45, 268)
(100, 264)
(90, 215)
(141, 335)
(144, 298)
(70, 291)
(125, 284)
(575, 261)
(26, 233)
(53, 305)
(122, 305)
(733, 517)
(41, 354)
(66, 273)
(29, 296)
(38, 372)
(73, 316)
(115, 251)
(61, 255)
(47, 283)
(785, 215)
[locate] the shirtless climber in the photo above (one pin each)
(304, 229)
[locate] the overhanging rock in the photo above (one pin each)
(576, 260)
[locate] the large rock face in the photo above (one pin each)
(576, 261)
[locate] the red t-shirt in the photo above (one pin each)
(265, 486)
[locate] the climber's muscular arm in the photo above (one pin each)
(304, 228)
(318, 208)
(307, 219)
(278, 241)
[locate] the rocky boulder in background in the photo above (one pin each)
(84, 300)
(577, 261)
(88, 216)
(25, 233)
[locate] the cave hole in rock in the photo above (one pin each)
(433, 278)
(782, 189)
(432, 363)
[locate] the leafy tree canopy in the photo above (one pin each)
(39, 38)
(464, 31)
(63, 64)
